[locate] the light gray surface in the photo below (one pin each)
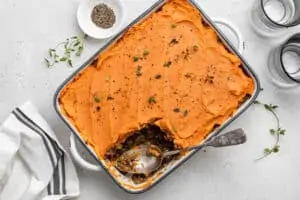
(29, 28)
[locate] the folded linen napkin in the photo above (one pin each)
(33, 164)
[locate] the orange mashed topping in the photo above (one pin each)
(170, 69)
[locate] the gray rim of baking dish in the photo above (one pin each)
(156, 6)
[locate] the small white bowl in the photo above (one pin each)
(88, 27)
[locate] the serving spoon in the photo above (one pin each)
(146, 158)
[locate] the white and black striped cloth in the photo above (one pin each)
(33, 165)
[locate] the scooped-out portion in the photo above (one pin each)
(148, 135)
(169, 72)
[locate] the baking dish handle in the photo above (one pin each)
(234, 30)
(78, 158)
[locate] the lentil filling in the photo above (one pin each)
(151, 134)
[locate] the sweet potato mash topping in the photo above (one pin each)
(170, 70)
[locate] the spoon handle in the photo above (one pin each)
(234, 137)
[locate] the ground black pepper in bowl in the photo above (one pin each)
(103, 16)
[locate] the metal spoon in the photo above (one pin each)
(144, 159)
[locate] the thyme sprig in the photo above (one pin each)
(64, 51)
(151, 100)
(277, 132)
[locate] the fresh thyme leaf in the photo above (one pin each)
(267, 151)
(68, 52)
(256, 102)
(97, 99)
(173, 26)
(146, 53)
(274, 106)
(52, 52)
(63, 59)
(135, 58)
(70, 63)
(49, 64)
(272, 131)
(151, 100)
(79, 50)
(66, 44)
(276, 149)
(282, 131)
(76, 44)
(267, 107)
(270, 107)
(167, 64)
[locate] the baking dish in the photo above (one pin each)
(122, 181)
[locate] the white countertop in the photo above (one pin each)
(29, 28)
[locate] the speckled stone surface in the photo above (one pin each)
(29, 28)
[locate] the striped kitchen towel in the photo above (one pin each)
(33, 164)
